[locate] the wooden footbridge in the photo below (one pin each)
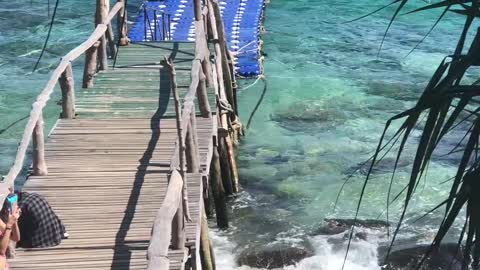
(129, 164)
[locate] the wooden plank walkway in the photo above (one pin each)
(108, 168)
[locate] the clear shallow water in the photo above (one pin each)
(328, 98)
(24, 27)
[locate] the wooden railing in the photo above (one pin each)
(169, 225)
(63, 74)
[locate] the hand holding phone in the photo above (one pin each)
(12, 200)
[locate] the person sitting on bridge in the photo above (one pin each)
(9, 230)
(39, 225)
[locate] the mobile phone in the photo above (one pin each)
(12, 200)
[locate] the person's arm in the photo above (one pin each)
(2, 226)
(15, 233)
(12, 220)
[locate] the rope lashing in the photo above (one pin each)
(225, 106)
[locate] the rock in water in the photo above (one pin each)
(336, 226)
(408, 257)
(273, 257)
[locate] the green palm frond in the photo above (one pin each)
(446, 102)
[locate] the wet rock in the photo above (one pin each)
(386, 165)
(308, 115)
(361, 236)
(275, 160)
(408, 256)
(336, 226)
(394, 90)
(273, 257)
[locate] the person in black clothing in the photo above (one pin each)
(9, 230)
(39, 225)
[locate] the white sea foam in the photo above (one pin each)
(328, 254)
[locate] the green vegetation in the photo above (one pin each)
(449, 104)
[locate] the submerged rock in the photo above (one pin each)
(273, 257)
(394, 90)
(336, 226)
(386, 165)
(408, 257)
(308, 115)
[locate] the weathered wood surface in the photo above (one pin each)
(108, 168)
(139, 84)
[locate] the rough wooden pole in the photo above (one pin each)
(111, 40)
(39, 165)
(233, 164)
(193, 124)
(212, 253)
(202, 96)
(227, 179)
(207, 197)
(223, 47)
(193, 162)
(68, 93)
(231, 64)
(207, 70)
(198, 10)
(178, 228)
(218, 190)
(160, 241)
(90, 65)
(209, 25)
(103, 7)
(205, 254)
(122, 25)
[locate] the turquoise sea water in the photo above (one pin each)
(328, 97)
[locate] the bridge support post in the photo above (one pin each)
(207, 70)
(218, 190)
(111, 40)
(103, 7)
(178, 227)
(202, 96)
(227, 78)
(191, 145)
(198, 10)
(225, 166)
(205, 252)
(90, 65)
(68, 93)
(39, 165)
(122, 25)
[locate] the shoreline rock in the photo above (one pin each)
(273, 257)
(337, 225)
(408, 256)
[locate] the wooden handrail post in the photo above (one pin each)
(178, 228)
(207, 70)
(103, 8)
(90, 65)
(39, 165)
(223, 48)
(198, 10)
(68, 93)
(111, 40)
(122, 25)
(192, 154)
(218, 190)
(202, 96)
(231, 64)
(206, 254)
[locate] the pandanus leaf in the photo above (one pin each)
(447, 3)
